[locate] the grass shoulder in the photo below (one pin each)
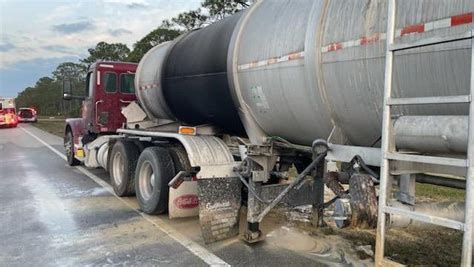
(55, 126)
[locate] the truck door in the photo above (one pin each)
(88, 103)
(116, 90)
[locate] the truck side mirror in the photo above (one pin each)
(67, 90)
(67, 96)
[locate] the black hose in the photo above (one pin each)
(242, 179)
(327, 204)
(375, 176)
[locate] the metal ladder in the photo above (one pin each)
(389, 153)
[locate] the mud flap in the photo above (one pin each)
(183, 201)
(219, 208)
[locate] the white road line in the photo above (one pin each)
(192, 246)
(61, 155)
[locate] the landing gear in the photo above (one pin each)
(253, 233)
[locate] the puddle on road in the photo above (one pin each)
(329, 250)
(298, 236)
(294, 232)
(93, 192)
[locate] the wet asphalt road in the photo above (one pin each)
(55, 215)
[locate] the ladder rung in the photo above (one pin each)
(426, 218)
(431, 41)
(427, 159)
(429, 100)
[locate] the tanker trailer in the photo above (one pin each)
(299, 83)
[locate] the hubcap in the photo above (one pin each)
(118, 168)
(146, 181)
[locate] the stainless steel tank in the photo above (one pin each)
(149, 85)
(187, 80)
(299, 68)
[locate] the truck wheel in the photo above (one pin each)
(123, 161)
(69, 146)
(155, 169)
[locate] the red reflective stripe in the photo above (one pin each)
(417, 28)
(294, 56)
(334, 47)
(461, 19)
(369, 40)
(272, 61)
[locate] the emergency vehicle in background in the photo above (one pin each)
(8, 116)
(27, 115)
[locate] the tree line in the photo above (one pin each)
(45, 96)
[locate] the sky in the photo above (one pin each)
(37, 35)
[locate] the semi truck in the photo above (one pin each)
(8, 116)
(227, 110)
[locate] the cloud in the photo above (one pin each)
(58, 48)
(5, 47)
(126, 2)
(131, 4)
(137, 5)
(119, 32)
(55, 29)
(69, 28)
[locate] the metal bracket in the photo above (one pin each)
(337, 136)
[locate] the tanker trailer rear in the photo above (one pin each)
(291, 83)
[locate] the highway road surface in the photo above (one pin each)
(55, 215)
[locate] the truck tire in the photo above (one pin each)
(155, 168)
(180, 159)
(69, 146)
(123, 161)
(142, 145)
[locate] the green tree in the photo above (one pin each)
(167, 24)
(76, 73)
(45, 96)
(219, 9)
(210, 12)
(70, 70)
(106, 51)
(190, 20)
(156, 37)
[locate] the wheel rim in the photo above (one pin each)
(117, 168)
(68, 145)
(146, 181)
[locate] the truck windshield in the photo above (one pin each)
(127, 85)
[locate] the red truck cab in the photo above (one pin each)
(109, 88)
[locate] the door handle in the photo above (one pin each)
(125, 101)
(97, 112)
